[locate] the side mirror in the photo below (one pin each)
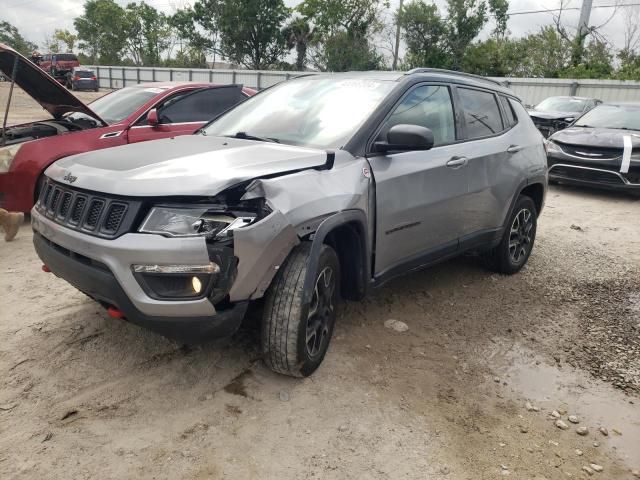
(405, 138)
(152, 118)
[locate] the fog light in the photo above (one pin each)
(196, 284)
(208, 268)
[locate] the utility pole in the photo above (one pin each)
(583, 31)
(397, 49)
(583, 24)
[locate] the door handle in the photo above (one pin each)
(457, 162)
(514, 148)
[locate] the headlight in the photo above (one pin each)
(552, 147)
(7, 154)
(192, 221)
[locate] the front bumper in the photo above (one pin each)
(102, 269)
(604, 175)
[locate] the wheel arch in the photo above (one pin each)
(346, 233)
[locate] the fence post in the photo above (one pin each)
(124, 78)
(171, 74)
(190, 75)
(259, 76)
(110, 79)
(137, 74)
(98, 74)
(573, 89)
(233, 77)
(210, 76)
(153, 74)
(287, 76)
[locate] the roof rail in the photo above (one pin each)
(453, 72)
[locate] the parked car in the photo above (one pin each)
(129, 115)
(601, 149)
(58, 65)
(314, 190)
(556, 113)
(82, 78)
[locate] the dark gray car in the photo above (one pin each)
(601, 149)
(313, 191)
(82, 78)
(555, 113)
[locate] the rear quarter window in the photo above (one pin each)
(510, 116)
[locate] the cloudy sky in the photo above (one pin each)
(38, 18)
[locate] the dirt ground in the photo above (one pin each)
(469, 392)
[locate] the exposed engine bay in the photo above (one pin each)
(46, 128)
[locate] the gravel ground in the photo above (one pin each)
(473, 389)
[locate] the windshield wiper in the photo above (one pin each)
(246, 136)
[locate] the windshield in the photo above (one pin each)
(612, 116)
(120, 104)
(562, 104)
(320, 112)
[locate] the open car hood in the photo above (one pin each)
(40, 86)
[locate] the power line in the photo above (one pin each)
(548, 10)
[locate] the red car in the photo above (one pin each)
(132, 114)
(58, 65)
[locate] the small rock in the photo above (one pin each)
(604, 431)
(579, 452)
(588, 470)
(523, 429)
(596, 444)
(573, 419)
(504, 467)
(445, 470)
(208, 396)
(616, 431)
(561, 425)
(562, 411)
(635, 473)
(47, 437)
(496, 379)
(367, 346)
(582, 431)
(343, 428)
(531, 408)
(555, 414)
(596, 468)
(502, 444)
(576, 227)
(284, 396)
(396, 325)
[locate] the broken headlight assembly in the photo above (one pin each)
(194, 221)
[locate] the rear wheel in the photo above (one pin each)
(295, 336)
(514, 249)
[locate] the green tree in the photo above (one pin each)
(66, 37)
(198, 26)
(9, 35)
(423, 30)
(101, 31)
(147, 33)
(299, 34)
(251, 32)
(596, 62)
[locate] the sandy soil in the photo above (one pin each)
(86, 396)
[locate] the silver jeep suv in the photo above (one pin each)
(312, 191)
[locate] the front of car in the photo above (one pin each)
(601, 149)
(178, 235)
(556, 113)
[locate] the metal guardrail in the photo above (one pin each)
(531, 90)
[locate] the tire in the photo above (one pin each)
(521, 229)
(294, 340)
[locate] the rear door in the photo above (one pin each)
(419, 194)
(494, 153)
(186, 112)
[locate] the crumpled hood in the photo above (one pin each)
(550, 115)
(40, 86)
(596, 137)
(192, 165)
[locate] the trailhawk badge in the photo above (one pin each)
(70, 178)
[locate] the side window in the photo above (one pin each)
(481, 113)
(510, 116)
(164, 103)
(428, 106)
(201, 106)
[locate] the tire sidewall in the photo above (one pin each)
(523, 202)
(327, 258)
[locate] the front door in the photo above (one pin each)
(419, 194)
(185, 113)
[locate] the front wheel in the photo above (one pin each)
(295, 336)
(514, 249)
